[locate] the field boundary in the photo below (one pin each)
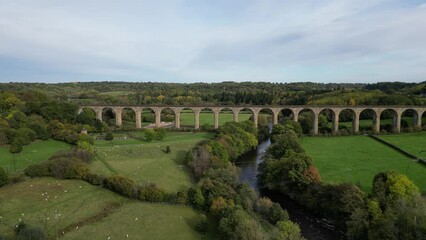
(403, 152)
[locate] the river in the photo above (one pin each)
(312, 227)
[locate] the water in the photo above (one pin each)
(312, 227)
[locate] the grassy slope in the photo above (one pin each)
(357, 159)
(146, 162)
(70, 201)
(414, 143)
(36, 152)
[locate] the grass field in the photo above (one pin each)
(414, 143)
(147, 162)
(368, 123)
(56, 204)
(187, 118)
(357, 159)
(36, 152)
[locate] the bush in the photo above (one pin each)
(93, 178)
(38, 170)
(202, 224)
(3, 177)
(168, 149)
(151, 193)
(120, 185)
(160, 133)
(149, 134)
(31, 233)
(15, 148)
(109, 136)
(68, 168)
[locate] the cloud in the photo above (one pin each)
(240, 40)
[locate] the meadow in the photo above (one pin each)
(147, 162)
(357, 159)
(79, 210)
(368, 123)
(36, 152)
(414, 143)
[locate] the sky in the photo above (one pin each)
(362, 41)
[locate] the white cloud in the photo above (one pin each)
(256, 40)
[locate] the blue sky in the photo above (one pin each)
(213, 41)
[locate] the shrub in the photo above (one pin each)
(38, 170)
(120, 185)
(15, 148)
(3, 177)
(149, 135)
(93, 178)
(109, 136)
(31, 233)
(168, 149)
(68, 168)
(152, 193)
(196, 197)
(182, 197)
(202, 224)
(160, 133)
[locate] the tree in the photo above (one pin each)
(15, 148)
(289, 230)
(149, 134)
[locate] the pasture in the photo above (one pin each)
(368, 123)
(414, 143)
(147, 162)
(74, 207)
(36, 152)
(357, 159)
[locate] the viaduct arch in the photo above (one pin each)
(316, 110)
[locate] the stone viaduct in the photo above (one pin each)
(397, 112)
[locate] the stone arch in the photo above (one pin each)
(423, 118)
(410, 118)
(327, 120)
(364, 123)
(128, 118)
(109, 116)
(228, 114)
(147, 117)
(187, 117)
(206, 118)
(308, 119)
(168, 118)
(392, 125)
(266, 116)
(348, 120)
(246, 113)
(86, 115)
(287, 114)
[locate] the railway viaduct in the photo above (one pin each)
(356, 111)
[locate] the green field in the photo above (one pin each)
(36, 152)
(368, 123)
(414, 143)
(147, 162)
(56, 204)
(357, 159)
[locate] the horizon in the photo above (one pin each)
(341, 42)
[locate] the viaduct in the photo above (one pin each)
(397, 112)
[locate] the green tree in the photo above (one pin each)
(289, 230)
(149, 134)
(15, 148)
